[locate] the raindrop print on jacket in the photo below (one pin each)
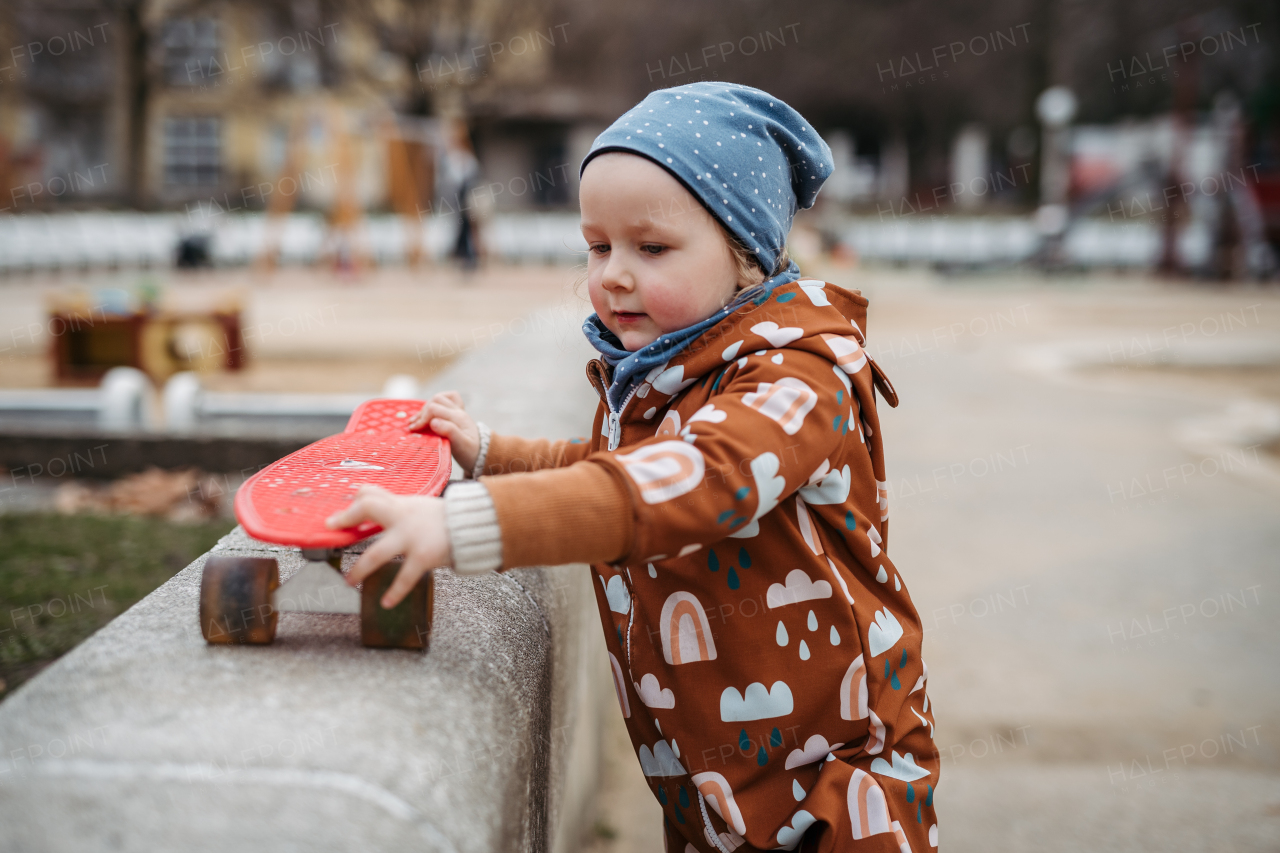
(764, 648)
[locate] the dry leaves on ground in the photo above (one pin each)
(176, 495)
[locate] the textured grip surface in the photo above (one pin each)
(288, 501)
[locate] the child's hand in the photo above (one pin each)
(445, 415)
(412, 525)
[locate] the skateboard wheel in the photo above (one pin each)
(405, 626)
(235, 600)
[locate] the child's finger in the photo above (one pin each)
(370, 504)
(441, 403)
(349, 517)
(429, 411)
(445, 427)
(381, 552)
(453, 398)
(431, 408)
(411, 571)
(434, 410)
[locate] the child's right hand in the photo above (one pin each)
(445, 415)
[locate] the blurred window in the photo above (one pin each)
(192, 151)
(190, 50)
(549, 182)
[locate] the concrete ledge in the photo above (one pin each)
(144, 738)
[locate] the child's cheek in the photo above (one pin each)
(672, 308)
(597, 296)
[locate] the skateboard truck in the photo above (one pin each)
(317, 587)
(241, 599)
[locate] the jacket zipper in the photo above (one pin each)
(615, 419)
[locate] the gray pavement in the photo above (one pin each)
(1099, 603)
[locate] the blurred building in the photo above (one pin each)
(237, 105)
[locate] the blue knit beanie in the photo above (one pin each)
(748, 156)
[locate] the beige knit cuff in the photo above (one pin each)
(474, 534)
(485, 436)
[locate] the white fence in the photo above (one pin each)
(995, 241)
(105, 240)
(125, 401)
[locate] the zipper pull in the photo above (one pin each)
(615, 429)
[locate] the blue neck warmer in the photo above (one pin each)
(748, 157)
(630, 368)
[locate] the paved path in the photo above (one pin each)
(1102, 655)
(311, 330)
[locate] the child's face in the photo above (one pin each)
(657, 260)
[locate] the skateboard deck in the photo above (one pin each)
(288, 501)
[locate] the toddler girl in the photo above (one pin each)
(731, 498)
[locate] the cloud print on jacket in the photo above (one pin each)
(903, 767)
(789, 836)
(759, 703)
(884, 634)
(653, 694)
(769, 486)
(616, 593)
(831, 488)
(816, 748)
(660, 761)
(799, 587)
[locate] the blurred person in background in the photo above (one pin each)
(459, 171)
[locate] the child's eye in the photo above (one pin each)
(653, 249)
(599, 248)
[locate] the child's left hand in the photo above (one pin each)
(412, 525)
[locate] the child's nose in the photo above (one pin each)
(616, 276)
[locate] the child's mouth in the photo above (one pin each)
(628, 316)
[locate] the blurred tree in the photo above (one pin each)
(444, 46)
(870, 66)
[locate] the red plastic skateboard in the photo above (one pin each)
(287, 503)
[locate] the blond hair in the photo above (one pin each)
(751, 272)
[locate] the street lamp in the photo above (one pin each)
(1055, 108)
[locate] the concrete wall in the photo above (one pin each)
(145, 738)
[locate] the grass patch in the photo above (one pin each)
(63, 577)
